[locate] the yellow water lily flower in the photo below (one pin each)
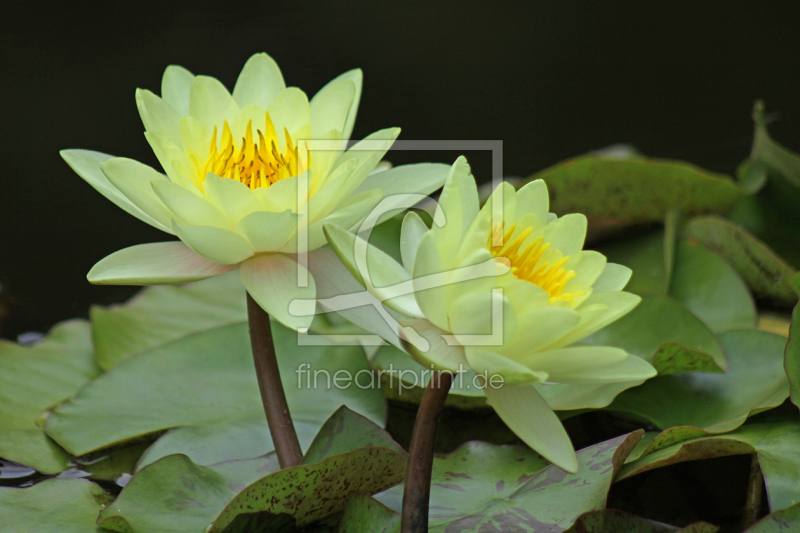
(505, 290)
(244, 185)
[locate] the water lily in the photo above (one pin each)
(244, 188)
(507, 291)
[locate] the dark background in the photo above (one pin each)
(551, 79)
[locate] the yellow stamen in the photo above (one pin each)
(256, 163)
(525, 264)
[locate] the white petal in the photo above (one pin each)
(356, 77)
(381, 275)
(540, 327)
(187, 207)
(86, 164)
(483, 313)
(533, 198)
(215, 244)
(488, 364)
(268, 231)
(158, 116)
(459, 205)
(348, 216)
(259, 82)
(211, 103)
(589, 364)
(411, 232)
(527, 414)
(603, 308)
(426, 343)
(567, 234)
(173, 160)
(348, 297)
(232, 197)
(176, 86)
(613, 278)
(272, 281)
(154, 264)
(403, 186)
(432, 301)
(133, 179)
(290, 110)
(331, 106)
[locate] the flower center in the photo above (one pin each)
(526, 263)
(256, 163)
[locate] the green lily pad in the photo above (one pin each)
(53, 506)
(759, 266)
(204, 386)
(661, 331)
(363, 514)
(711, 289)
(174, 495)
(778, 522)
(644, 255)
(483, 487)
(777, 446)
(636, 189)
(163, 314)
(35, 379)
(613, 521)
(791, 356)
(755, 381)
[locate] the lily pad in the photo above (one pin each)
(613, 521)
(350, 455)
(778, 522)
(163, 314)
(204, 385)
(363, 514)
(636, 189)
(755, 381)
(766, 273)
(777, 446)
(174, 495)
(35, 379)
(482, 487)
(660, 330)
(792, 357)
(53, 506)
(711, 289)
(644, 255)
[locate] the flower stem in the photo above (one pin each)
(752, 506)
(284, 437)
(417, 491)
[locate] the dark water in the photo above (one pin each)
(551, 79)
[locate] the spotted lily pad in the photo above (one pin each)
(755, 381)
(483, 487)
(53, 506)
(661, 330)
(35, 379)
(175, 495)
(204, 385)
(778, 522)
(349, 455)
(765, 273)
(777, 446)
(613, 521)
(636, 189)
